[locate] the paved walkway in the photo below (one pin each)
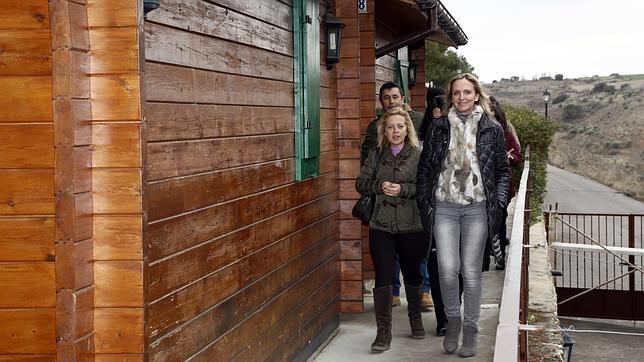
(353, 339)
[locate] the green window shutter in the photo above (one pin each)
(306, 32)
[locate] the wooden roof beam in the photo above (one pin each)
(403, 42)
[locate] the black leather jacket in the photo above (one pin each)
(493, 163)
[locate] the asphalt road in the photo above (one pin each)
(595, 340)
(576, 193)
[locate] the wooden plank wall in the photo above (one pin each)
(417, 92)
(385, 65)
(368, 104)
(349, 112)
(27, 225)
(242, 260)
(114, 30)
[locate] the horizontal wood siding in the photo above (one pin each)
(116, 178)
(234, 245)
(349, 77)
(27, 223)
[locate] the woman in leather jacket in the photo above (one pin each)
(395, 226)
(463, 179)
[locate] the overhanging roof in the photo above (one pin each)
(413, 25)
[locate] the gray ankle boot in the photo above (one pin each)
(470, 340)
(450, 343)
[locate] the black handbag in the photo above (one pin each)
(364, 206)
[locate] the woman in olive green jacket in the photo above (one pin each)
(395, 226)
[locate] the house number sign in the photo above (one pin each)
(362, 6)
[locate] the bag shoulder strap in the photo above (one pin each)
(375, 169)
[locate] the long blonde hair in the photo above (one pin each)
(484, 100)
(412, 137)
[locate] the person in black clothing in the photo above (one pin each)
(435, 101)
(435, 104)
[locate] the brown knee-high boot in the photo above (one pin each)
(382, 307)
(413, 311)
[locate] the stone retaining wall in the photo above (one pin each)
(544, 343)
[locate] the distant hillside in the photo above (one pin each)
(602, 123)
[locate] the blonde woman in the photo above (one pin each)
(395, 226)
(463, 181)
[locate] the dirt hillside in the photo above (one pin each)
(601, 123)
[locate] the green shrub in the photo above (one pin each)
(560, 98)
(536, 131)
(618, 145)
(603, 87)
(571, 112)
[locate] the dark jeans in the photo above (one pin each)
(410, 247)
(503, 232)
(426, 287)
(503, 237)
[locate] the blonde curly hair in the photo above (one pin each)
(412, 137)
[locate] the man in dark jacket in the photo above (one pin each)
(390, 97)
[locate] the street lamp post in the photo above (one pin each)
(546, 98)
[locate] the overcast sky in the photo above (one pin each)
(528, 38)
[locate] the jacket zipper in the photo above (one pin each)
(395, 224)
(488, 203)
(439, 166)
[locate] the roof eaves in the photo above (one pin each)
(450, 26)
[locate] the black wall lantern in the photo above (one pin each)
(149, 5)
(333, 27)
(413, 66)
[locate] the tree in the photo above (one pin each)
(442, 64)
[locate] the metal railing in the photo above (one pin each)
(598, 257)
(511, 339)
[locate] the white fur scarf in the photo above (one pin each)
(460, 180)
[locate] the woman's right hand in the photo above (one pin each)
(391, 189)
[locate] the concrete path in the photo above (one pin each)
(357, 331)
(598, 340)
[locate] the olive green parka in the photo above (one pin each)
(392, 214)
